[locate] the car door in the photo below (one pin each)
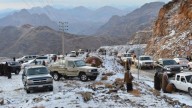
(71, 70)
(184, 85)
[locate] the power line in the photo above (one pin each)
(63, 26)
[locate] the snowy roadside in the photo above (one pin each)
(74, 93)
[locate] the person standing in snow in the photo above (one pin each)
(165, 82)
(128, 78)
(157, 81)
(43, 63)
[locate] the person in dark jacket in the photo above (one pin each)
(128, 80)
(9, 72)
(43, 63)
(5, 67)
(157, 81)
(1, 69)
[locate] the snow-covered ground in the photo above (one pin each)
(68, 93)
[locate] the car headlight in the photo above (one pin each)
(181, 68)
(89, 70)
(29, 81)
(168, 68)
(50, 80)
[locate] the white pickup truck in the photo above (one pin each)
(144, 61)
(183, 81)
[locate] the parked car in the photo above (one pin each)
(126, 56)
(144, 61)
(183, 81)
(47, 59)
(36, 77)
(15, 67)
(73, 67)
(168, 65)
(182, 61)
(26, 58)
(30, 63)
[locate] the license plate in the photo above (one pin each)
(40, 86)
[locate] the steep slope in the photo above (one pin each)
(139, 19)
(24, 17)
(172, 30)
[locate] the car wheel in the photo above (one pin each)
(17, 72)
(56, 76)
(27, 91)
(93, 78)
(83, 77)
(51, 88)
(190, 91)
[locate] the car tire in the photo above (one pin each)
(83, 77)
(56, 76)
(190, 91)
(51, 88)
(27, 91)
(17, 72)
(93, 78)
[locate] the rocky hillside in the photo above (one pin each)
(17, 41)
(126, 26)
(172, 30)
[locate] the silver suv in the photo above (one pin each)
(37, 77)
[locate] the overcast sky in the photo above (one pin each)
(20, 4)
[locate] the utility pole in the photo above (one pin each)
(63, 26)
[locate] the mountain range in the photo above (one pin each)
(81, 20)
(139, 19)
(18, 41)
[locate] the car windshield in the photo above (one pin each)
(145, 58)
(127, 55)
(169, 62)
(189, 78)
(80, 63)
(37, 71)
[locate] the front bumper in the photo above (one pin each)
(92, 73)
(43, 86)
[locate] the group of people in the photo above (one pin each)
(5, 70)
(161, 81)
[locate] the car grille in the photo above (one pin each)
(175, 69)
(148, 63)
(37, 81)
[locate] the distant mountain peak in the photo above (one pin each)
(26, 26)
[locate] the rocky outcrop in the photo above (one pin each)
(172, 30)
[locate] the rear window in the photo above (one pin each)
(41, 57)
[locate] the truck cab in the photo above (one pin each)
(183, 81)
